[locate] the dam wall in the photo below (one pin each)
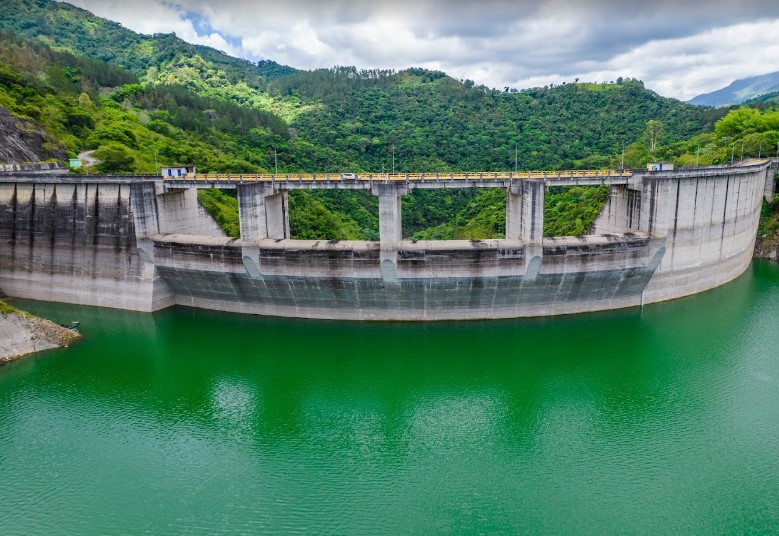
(81, 242)
(709, 224)
(143, 243)
(434, 280)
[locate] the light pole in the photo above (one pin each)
(276, 160)
(393, 159)
(698, 156)
(742, 150)
(516, 157)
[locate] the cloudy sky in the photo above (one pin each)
(680, 48)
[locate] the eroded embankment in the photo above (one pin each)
(22, 334)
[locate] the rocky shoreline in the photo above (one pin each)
(767, 248)
(22, 334)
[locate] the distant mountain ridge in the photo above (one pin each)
(77, 30)
(739, 91)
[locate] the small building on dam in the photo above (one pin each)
(144, 243)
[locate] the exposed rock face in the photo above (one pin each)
(23, 141)
(22, 334)
(767, 248)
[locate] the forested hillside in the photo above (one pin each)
(144, 101)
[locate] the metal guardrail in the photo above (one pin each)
(402, 177)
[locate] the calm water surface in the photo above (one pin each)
(664, 420)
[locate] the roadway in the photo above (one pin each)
(413, 180)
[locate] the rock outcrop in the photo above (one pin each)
(22, 334)
(767, 248)
(24, 141)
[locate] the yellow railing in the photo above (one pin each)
(492, 175)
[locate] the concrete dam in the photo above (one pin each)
(144, 243)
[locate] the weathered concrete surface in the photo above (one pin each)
(709, 224)
(22, 334)
(435, 280)
(263, 210)
(132, 245)
(82, 243)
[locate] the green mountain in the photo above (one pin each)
(740, 91)
(142, 101)
(69, 28)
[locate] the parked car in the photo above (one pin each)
(349, 176)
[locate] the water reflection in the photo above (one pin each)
(635, 420)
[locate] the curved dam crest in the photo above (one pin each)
(144, 243)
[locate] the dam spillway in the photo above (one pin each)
(144, 243)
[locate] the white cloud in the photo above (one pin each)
(700, 63)
(151, 16)
(677, 48)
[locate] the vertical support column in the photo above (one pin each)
(263, 212)
(390, 226)
(514, 211)
(525, 211)
(770, 180)
(532, 227)
(525, 220)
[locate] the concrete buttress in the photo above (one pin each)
(263, 211)
(390, 226)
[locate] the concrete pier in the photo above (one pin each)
(390, 227)
(263, 211)
(143, 243)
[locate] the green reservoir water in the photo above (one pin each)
(654, 421)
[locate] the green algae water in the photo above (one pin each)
(654, 421)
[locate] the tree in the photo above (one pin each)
(652, 133)
(116, 158)
(85, 101)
